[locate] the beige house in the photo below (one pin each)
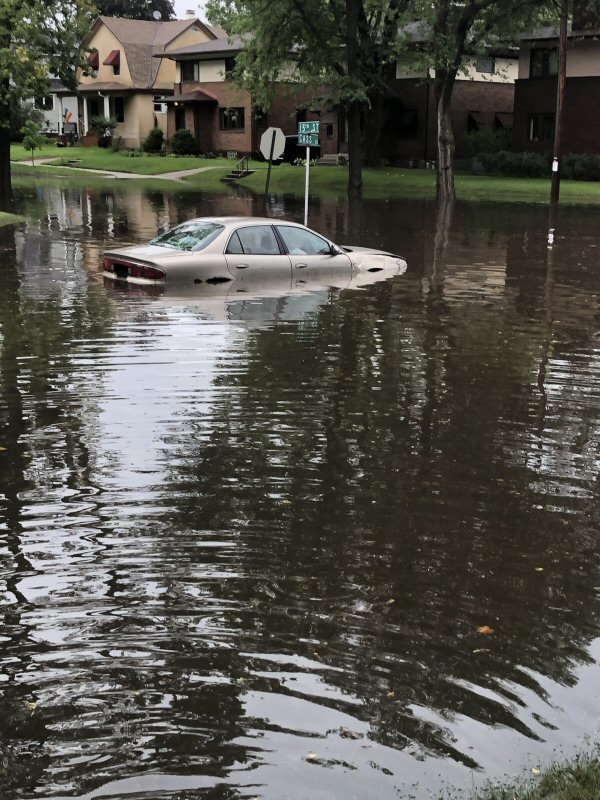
(125, 80)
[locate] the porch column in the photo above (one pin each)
(61, 118)
(106, 107)
(85, 115)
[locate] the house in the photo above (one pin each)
(536, 90)
(222, 116)
(483, 97)
(59, 109)
(124, 81)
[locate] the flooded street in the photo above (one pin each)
(289, 541)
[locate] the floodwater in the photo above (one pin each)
(316, 545)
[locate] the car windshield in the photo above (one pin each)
(189, 236)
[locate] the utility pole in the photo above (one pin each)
(560, 101)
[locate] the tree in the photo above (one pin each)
(136, 9)
(32, 138)
(341, 51)
(38, 38)
(455, 29)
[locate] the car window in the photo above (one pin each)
(258, 240)
(234, 245)
(189, 236)
(302, 242)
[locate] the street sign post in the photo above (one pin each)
(272, 145)
(308, 134)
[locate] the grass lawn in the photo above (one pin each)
(383, 183)
(119, 161)
(9, 219)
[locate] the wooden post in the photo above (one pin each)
(560, 102)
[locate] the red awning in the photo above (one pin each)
(94, 59)
(113, 59)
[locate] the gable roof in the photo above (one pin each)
(143, 39)
(207, 50)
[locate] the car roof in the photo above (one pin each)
(243, 221)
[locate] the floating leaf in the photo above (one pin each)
(390, 601)
(311, 757)
(536, 770)
(485, 629)
(3, 449)
(481, 650)
(391, 694)
(539, 569)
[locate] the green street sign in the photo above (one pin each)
(308, 127)
(308, 139)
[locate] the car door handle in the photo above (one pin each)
(242, 266)
(301, 266)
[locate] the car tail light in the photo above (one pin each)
(125, 269)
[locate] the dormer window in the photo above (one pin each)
(114, 60)
(189, 70)
(543, 63)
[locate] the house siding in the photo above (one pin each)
(581, 125)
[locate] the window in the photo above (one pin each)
(45, 103)
(117, 108)
(302, 242)
(160, 107)
(257, 239)
(540, 128)
(189, 236)
(407, 123)
(475, 121)
(329, 130)
(231, 119)
(189, 70)
(486, 64)
(543, 63)
(179, 118)
(229, 66)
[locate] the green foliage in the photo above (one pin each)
(153, 143)
(136, 9)
(32, 138)
(517, 165)
(581, 167)
(20, 113)
(183, 143)
(103, 126)
(486, 140)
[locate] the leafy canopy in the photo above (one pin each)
(39, 39)
(136, 9)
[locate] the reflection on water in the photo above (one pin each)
(320, 544)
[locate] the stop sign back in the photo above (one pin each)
(266, 140)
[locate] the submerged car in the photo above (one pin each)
(221, 249)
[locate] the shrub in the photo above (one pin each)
(153, 143)
(183, 143)
(516, 165)
(486, 140)
(581, 167)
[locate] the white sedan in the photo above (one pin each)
(220, 249)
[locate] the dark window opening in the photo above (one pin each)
(474, 121)
(229, 66)
(179, 118)
(543, 63)
(117, 108)
(540, 128)
(486, 64)
(503, 120)
(188, 71)
(231, 119)
(406, 123)
(45, 103)
(329, 130)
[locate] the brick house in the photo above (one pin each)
(223, 117)
(536, 87)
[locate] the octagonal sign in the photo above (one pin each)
(278, 145)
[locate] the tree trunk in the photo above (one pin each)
(355, 182)
(5, 182)
(445, 143)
